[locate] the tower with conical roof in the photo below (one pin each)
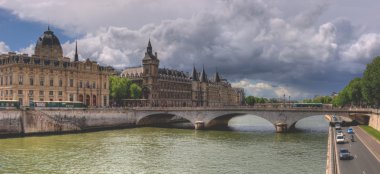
(48, 46)
(216, 78)
(150, 73)
(194, 75)
(203, 78)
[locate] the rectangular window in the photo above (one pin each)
(10, 80)
(80, 84)
(93, 85)
(71, 82)
(30, 92)
(41, 81)
(51, 82)
(51, 92)
(60, 82)
(31, 81)
(21, 80)
(105, 85)
(19, 92)
(60, 93)
(71, 97)
(41, 92)
(11, 92)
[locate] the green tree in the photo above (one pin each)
(319, 99)
(371, 82)
(354, 91)
(122, 88)
(250, 100)
(135, 91)
(342, 99)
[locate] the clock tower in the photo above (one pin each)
(150, 74)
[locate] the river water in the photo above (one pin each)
(253, 147)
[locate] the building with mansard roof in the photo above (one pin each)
(164, 87)
(49, 76)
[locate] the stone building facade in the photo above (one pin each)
(163, 87)
(49, 76)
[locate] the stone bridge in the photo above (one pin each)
(283, 119)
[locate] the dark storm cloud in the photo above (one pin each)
(264, 46)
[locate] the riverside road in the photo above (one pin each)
(362, 162)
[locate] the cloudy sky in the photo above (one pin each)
(300, 48)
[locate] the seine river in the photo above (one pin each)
(253, 147)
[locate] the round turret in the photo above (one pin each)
(48, 46)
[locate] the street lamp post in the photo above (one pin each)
(284, 100)
(289, 102)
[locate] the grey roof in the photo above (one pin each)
(172, 72)
(48, 39)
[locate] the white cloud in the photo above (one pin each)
(364, 48)
(28, 50)
(4, 48)
(89, 15)
(264, 41)
(265, 89)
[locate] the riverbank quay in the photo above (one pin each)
(369, 141)
(331, 157)
(15, 123)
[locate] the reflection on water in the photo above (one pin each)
(162, 150)
(249, 123)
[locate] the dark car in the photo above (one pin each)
(338, 127)
(344, 154)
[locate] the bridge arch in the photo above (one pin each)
(221, 121)
(159, 119)
(203, 118)
(286, 119)
(294, 125)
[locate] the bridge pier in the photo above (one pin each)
(199, 125)
(281, 127)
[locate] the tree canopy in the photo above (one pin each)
(371, 82)
(123, 88)
(362, 91)
(319, 99)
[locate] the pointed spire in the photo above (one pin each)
(194, 74)
(76, 52)
(217, 78)
(48, 27)
(203, 75)
(149, 48)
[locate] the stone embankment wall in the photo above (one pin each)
(18, 122)
(10, 122)
(374, 121)
(93, 118)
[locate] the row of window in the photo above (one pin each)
(174, 95)
(4, 81)
(175, 86)
(30, 92)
